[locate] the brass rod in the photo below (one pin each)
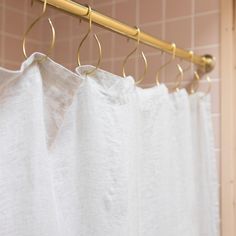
(112, 24)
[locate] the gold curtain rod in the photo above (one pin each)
(206, 61)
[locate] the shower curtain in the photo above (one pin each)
(98, 156)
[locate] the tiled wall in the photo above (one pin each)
(14, 17)
(191, 24)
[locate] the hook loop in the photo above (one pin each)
(137, 34)
(89, 14)
(31, 27)
(195, 84)
(173, 48)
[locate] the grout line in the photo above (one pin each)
(153, 23)
(13, 9)
(14, 63)
(180, 17)
(18, 37)
(207, 46)
(206, 13)
(108, 3)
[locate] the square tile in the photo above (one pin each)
(179, 32)
(209, 5)
(207, 30)
(150, 11)
(178, 8)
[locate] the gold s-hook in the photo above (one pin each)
(173, 48)
(195, 84)
(143, 57)
(208, 79)
(89, 14)
(32, 25)
(198, 74)
(180, 75)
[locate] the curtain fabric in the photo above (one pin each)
(98, 156)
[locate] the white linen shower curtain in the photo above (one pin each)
(98, 156)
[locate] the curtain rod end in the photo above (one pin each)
(209, 63)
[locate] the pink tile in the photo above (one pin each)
(18, 5)
(1, 63)
(34, 47)
(179, 32)
(62, 52)
(209, 5)
(62, 26)
(14, 22)
(70, 51)
(1, 18)
(125, 11)
(2, 39)
(13, 49)
(178, 8)
(207, 29)
(100, 2)
(104, 9)
(11, 65)
(150, 11)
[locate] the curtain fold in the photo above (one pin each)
(98, 156)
